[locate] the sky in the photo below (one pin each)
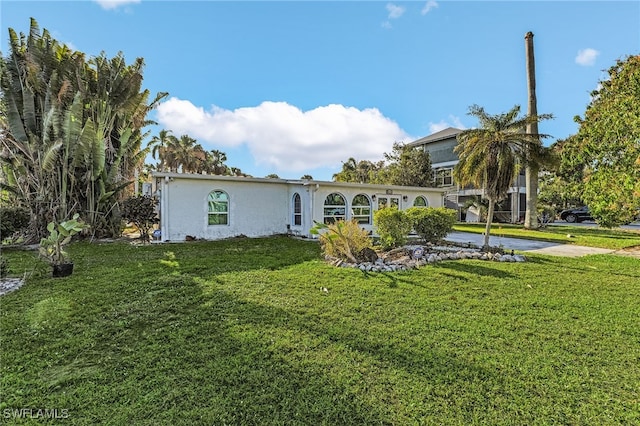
(298, 87)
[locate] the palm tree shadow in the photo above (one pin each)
(391, 278)
(474, 269)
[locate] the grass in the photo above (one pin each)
(238, 332)
(615, 239)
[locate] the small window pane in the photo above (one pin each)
(420, 201)
(361, 209)
(218, 208)
(218, 219)
(335, 208)
(297, 210)
(335, 199)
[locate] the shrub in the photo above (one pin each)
(12, 220)
(141, 211)
(432, 224)
(393, 226)
(4, 266)
(343, 239)
(52, 247)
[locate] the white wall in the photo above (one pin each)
(433, 196)
(254, 209)
(261, 207)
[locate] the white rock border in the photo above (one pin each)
(430, 255)
(7, 285)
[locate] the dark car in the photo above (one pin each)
(576, 215)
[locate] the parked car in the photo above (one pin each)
(576, 215)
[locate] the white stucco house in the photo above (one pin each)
(214, 207)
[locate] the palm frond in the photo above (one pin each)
(50, 157)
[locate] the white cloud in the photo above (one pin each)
(114, 4)
(587, 57)
(429, 6)
(395, 11)
(284, 137)
(453, 121)
(386, 25)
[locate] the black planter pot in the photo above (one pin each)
(62, 270)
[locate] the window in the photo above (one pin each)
(420, 201)
(218, 206)
(361, 209)
(444, 177)
(388, 201)
(335, 208)
(297, 210)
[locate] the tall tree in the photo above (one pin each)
(363, 171)
(214, 163)
(531, 157)
(408, 166)
(561, 180)
(607, 144)
(348, 172)
(490, 156)
(73, 130)
(158, 145)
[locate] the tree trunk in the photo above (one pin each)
(487, 229)
(531, 170)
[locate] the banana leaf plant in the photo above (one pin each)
(52, 247)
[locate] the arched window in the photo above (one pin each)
(218, 207)
(297, 209)
(335, 208)
(420, 201)
(361, 209)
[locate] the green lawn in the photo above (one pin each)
(579, 235)
(239, 332)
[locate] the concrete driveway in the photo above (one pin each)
(530, 246)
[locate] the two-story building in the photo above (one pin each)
(440, 146)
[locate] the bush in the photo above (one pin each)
(432, 224)
(343, 239)
(393, 226)
(12, 220)
(4, 266)
(141, 211)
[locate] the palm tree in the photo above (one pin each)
(235, 171)
(490, 156)
(214, 162)
(532, 168)
(348, 172)
(158, 145)
(181, 154)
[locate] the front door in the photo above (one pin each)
(388, 201)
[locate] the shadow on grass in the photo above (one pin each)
(168, 352)
(175, 355)
(474, 269)
(392, 279)
(199, 257)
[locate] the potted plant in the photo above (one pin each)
(52, 247)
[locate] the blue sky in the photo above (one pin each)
(298, 87)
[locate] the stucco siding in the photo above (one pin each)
(261, 207)
(254, 210)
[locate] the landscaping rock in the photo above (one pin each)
(7, 285)
(405, 258)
